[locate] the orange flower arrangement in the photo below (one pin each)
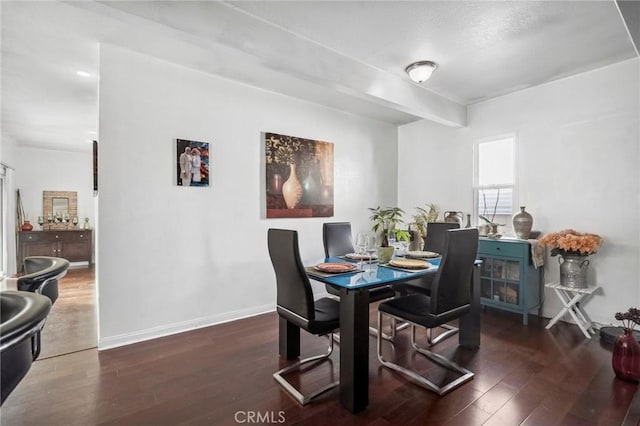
(572, 243)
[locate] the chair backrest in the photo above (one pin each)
(42, 275)
(436, 232)
(336, 237)
(294, 292)
(451, 286)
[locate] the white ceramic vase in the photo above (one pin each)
(292, 189)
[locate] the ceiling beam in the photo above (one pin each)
(220, 39)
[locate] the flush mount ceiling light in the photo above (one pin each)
(421, 71)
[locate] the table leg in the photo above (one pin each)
(469, 325)
(563, 311)
(288, 339)
(354, 349)
(579, 322)
(569, 301)
(585, 317)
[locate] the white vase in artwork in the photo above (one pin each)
(292, 189)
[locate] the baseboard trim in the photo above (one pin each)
(181, 327)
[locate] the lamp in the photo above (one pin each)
(421, 71)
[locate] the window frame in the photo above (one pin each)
(476, 173)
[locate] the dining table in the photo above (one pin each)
(354, 290)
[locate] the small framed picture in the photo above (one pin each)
(192, 163)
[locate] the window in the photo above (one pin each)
(494, 179)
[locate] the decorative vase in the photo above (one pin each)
(626, 356)
(276, 183)
(291, 189)
(522, 223)
(573, 270)
(26, 226)
(312, 187)
(453, 217)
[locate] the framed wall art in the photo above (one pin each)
(299, 177)
(192, 163)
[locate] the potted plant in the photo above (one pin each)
(420, 220)
(385, 221)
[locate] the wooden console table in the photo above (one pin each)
(73, 245)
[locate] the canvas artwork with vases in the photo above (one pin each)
(298, 177)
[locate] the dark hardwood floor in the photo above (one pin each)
(72, 324)
(525, 375)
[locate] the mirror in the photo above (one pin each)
(62, 205)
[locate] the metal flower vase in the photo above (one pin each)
(573, 270)
(626, 356)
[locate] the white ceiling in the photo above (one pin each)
(349, 55)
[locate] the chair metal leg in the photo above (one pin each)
(295, 393)
(438, 359)
(394, 328)
(451, 331)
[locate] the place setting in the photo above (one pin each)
(408, 265)
(326, 269)
(422, 254)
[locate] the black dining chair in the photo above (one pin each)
(450, 299)
(296, 305)
(436, 233)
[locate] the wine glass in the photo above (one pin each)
(360, 247)
(40, 221)
(402, 251)
(371, 247)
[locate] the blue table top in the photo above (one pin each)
(373, 275)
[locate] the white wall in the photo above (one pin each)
(39, 170)
(173, 258)
(578, 168)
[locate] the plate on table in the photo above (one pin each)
(422, 254)
(335, 267)
(356, 256)
(409, 263)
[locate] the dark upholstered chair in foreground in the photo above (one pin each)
(42, 274)
(22, 316)
(450, 299)
(296, 305)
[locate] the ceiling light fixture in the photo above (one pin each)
(421, 71)
(83, 74)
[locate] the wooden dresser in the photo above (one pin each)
(75, 245)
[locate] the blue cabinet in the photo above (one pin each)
(508, 279)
